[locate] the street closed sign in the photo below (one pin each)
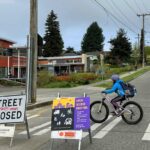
(12, 109)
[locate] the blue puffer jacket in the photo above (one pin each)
(116, 88)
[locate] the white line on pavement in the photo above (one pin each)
(146, 136)
(33, 116)
(94, 127)
(107, 128)
(43, 131)
(36, 127)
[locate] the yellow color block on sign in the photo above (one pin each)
(63, 102)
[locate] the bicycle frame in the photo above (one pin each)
(108, 99)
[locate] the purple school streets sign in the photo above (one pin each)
(82, 113)
(71, 113)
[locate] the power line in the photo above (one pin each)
(145, 7)
(114, 21)
(114, 16)
(138, 6)
(126, 2)
(118, 8)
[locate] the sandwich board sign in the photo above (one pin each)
(70, 116)
(12, 109)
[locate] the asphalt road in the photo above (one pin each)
(113, 134)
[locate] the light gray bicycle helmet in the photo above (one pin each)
(115, 77)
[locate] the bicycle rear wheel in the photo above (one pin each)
(133, 113)
(98, 115)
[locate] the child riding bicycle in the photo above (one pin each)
(117, 88)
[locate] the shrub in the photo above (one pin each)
(44, 77)
(63, 78)
(83, 78)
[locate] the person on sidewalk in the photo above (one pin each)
(117, 88)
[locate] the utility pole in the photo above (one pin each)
(138, 41)
(32, 54)
(138, 49)
(143, 33)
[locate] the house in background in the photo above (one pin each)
(64, 65)
(5, 43)
(12, 59)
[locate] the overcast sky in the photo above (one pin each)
(74, 17)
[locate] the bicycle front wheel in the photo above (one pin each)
(98, 112)
(133, 113)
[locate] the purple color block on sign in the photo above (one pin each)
(82, 113)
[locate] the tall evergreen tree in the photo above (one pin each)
(121, 48)
(54, 44)
(70, 50)
(93, 39)
(40, 45)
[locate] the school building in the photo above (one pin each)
(13, 62)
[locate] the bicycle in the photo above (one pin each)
(130, 111)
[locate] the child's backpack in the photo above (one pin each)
(130, 90)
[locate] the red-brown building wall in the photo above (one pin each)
(13, 61)
(3, 61)
(5, 44)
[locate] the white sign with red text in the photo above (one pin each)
(12, 108)
(67, 134)
(7, 131)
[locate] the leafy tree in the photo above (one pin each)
(53, 41)
(93, 39)
(121, 48)
(135, 54)
(147, 54)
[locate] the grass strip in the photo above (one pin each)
(128, 78)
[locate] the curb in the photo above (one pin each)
(37, 105)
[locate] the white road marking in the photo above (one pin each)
(94, 127)
(43, 131)
(33, 116)
(146, 136)
(107, 128)
(36, 127)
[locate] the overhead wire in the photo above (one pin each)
(132, 8)
(145, 7)
(120, 21)
(126, 2)
(137, 6)
(120, 10)
(114, 21)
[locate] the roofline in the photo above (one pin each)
(61, 57)
(19, 47)
(8, 40)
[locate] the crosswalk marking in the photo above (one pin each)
(36, 127)
(94, 127)
(146, 136)
(107, 128)
(43, 131)
(33, 116)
